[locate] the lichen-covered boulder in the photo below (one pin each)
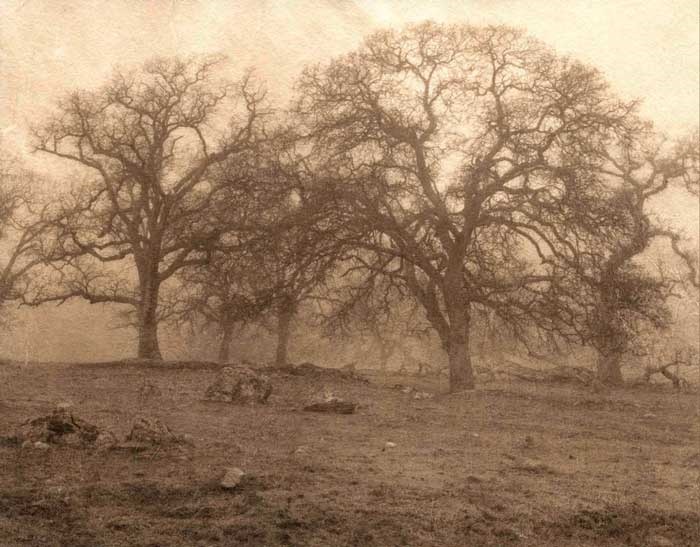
(59, 427)
(151, 431)
(240, 385)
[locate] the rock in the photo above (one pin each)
(649, 416)
(151, 431)
(302, 450)
(406, 389)
(239, 385)
(105, 440)
(660, 541)
(420, 395)
(389, 444)
(148, 390)
(232, 477)
(532, 466)
(59, 427)
(41, 445)
(187, 439)
(334, 407)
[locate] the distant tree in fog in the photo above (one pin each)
(25, 230)
(146, 140)
(230, 291)
(612, 294)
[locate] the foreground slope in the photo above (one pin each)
(507, 464)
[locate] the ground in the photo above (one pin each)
(507, 464)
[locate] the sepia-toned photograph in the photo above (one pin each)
(349, 273)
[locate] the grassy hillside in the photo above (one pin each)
(508, 464)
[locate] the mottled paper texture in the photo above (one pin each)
(334, 273)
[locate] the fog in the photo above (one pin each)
(647, 49)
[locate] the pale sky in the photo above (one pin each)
(649, 49)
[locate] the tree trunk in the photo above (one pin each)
(611, 339)
(285, 314)
(225, 344)
(460, 364)
(610, 368)
(148, 322)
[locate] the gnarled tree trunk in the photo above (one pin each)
(225, 344)
(148, 347)
(285, 314)
(610, 367)
(458, 350)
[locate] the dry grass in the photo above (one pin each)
(507, 464)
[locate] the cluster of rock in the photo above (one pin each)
(60, 427)
(240, 385)
(413, 392)
(63, 428)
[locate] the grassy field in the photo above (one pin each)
(507, 464)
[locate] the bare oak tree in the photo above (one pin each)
(454, 149)
(230, 291)
(626, 295)
(147, 140)
(25, 231)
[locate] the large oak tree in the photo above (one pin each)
(454, 150)
(148, 141)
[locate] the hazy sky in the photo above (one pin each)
(648, 48)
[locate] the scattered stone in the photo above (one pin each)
(41, 445)
(59, 427)
(232, 477)
(148, 390)
(302, 450)
(692, 461)
(333, 407)
(240, 385)
(532, 466)
(649, 416)
(105, 440)
(187, 439)
(420, 395)
(151, 431)
(660, 541)
(325, 396)
(10, 440)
